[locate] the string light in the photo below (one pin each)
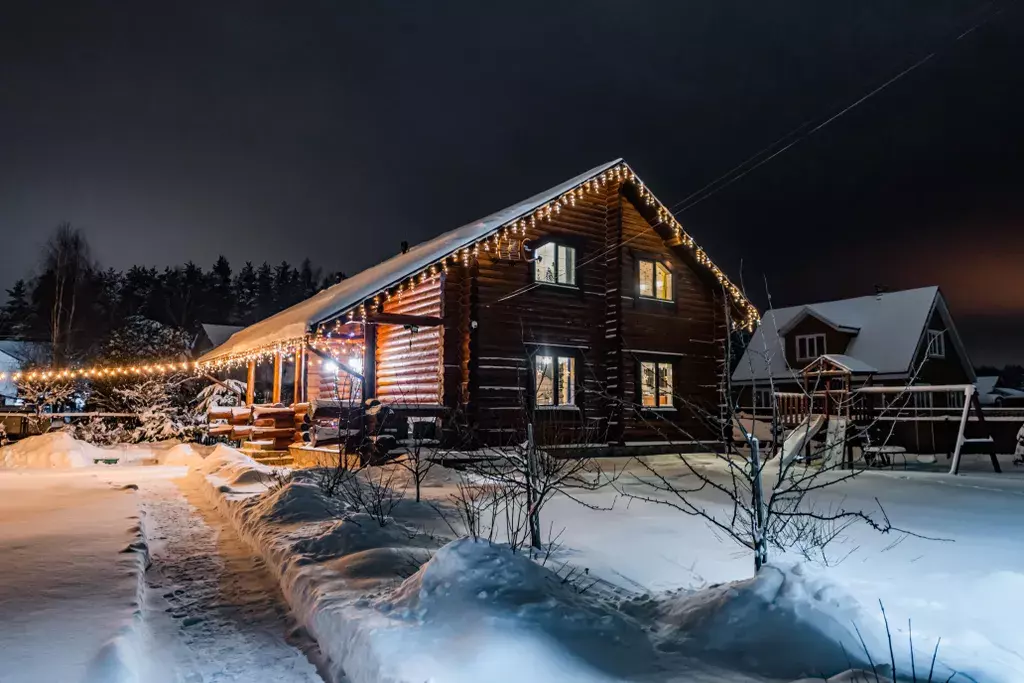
(518, 225)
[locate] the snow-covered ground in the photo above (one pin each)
(78, 604)
(66, 589)
(400, 603)
(967, 590)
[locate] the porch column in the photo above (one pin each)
(276, 395)
(250, 384)
(300, 374)
(369, 360)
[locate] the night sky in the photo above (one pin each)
(335, 130)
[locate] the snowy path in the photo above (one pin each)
(66, 588)
(213, 610)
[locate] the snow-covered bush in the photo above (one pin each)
(101, 431)
(162, 410)
(225, 394)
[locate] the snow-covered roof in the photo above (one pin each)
(890, 329)
(23, 351)
(854, 365)
(218, 334)
(302, 318)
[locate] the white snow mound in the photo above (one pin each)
(234, 468)
(780, 623)
(469, 582)
(55, 450)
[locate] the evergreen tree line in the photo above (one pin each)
(80, 311)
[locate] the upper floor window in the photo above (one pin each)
(655, 280)
(554, 380)
(555, 263)
(810, 346)
(936, 344)
(656, 384)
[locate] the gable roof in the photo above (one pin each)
(891, 328)
(292, 324)
(218, 334)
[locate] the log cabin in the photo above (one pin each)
(586, 311)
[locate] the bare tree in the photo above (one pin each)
(757, 502)
(67, 265)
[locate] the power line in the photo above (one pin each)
(741, 170)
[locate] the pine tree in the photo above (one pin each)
(265, 299)
(15, 317)
(309, 279)
(245, 295)
(221, 298)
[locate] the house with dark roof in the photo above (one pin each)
(587, 307)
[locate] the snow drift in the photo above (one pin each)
(780, 623)
(55, 450)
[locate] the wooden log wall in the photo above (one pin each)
(515, 319)
(686, 332)
(601, 323)
(410, 368)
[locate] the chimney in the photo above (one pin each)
(405, 246)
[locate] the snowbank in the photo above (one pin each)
(780, 623)
(55, 450)
(387, 606)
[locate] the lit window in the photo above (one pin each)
(555, 380)
(656, 384)
(655, 280)
(936, 344)
(556, 263)
(810, 346)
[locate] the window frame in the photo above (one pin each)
(657, 361)
(806, 338)
(936, 350)
(558, 243)
(557, 355)
(655, 262)
(763, 397)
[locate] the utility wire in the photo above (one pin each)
(744, 168)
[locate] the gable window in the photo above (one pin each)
(936, 344)
(656, 386)
(555, 264)
(655, 280)
(810, 346)
(763, 398)
(554, 380)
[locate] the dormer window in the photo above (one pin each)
(655, 280)
(810, 346)
(555, 264)
(936, 344)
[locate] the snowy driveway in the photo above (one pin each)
(65, 586)
(73, 608)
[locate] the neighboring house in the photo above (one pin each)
(889, 339)
(586, 305)
(991, 394)
(16, 355)
(892, 338)
(8, 390)
(210, 336)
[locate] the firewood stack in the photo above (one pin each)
(232, 423)
(275, 423)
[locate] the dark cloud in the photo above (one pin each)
(178, 131)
